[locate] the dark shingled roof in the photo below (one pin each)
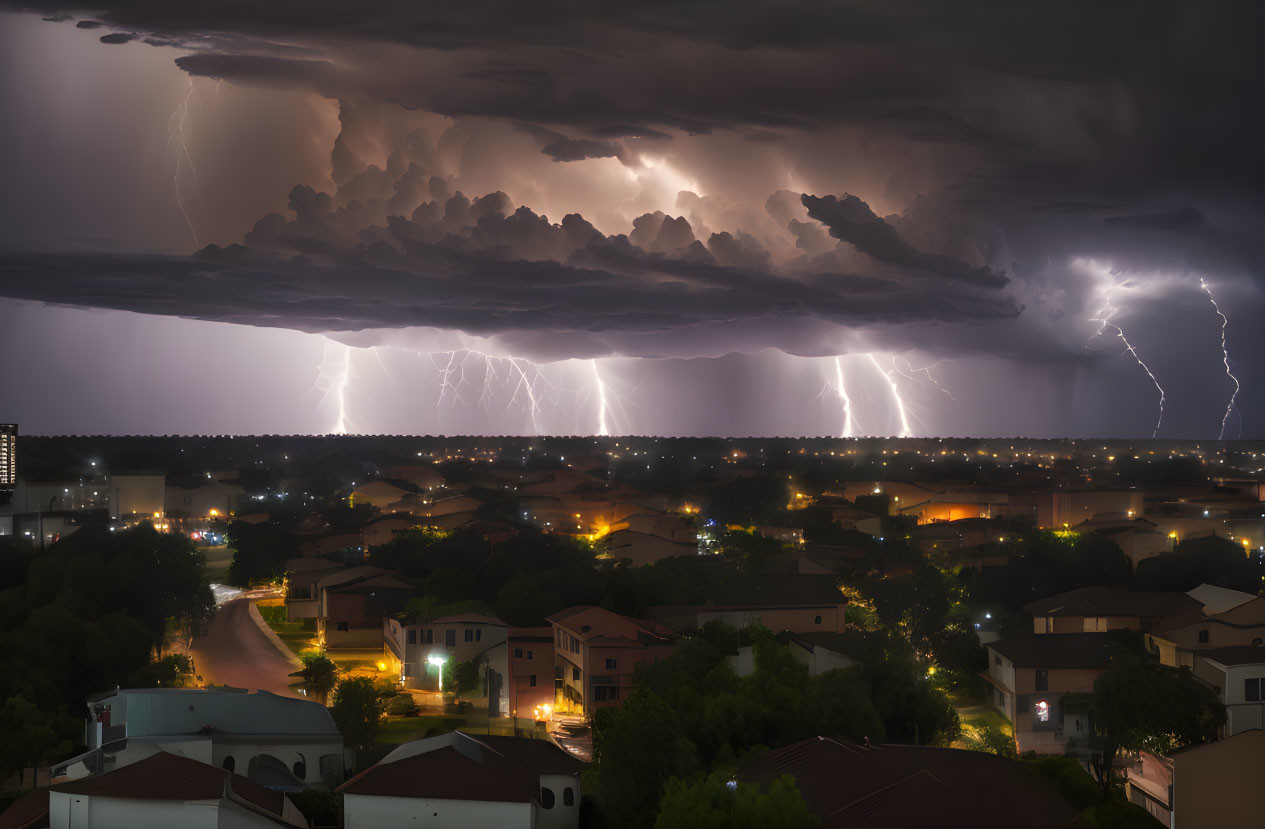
(1112, 601)
(164, 776)
(459, 766)
(846, 785)
(1056, 650)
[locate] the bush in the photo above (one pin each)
(321, 807)
(402, 705)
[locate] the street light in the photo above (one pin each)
(438, 661)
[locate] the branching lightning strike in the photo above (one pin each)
(1225, 359)
(175, 127)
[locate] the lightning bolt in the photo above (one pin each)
(841, 389)
(909, 371)
(1104, 322)
(905, 431)
(175, 127)
(602, 404)
(1225, 359)
(332, 379)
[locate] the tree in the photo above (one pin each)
(715, 802)
(30, 736)
(357, 710)
(636, 749)
(319, 674)
(1140, 705)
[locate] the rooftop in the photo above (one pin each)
(1112, 601)
(460, 766)
(589, 623)
(1235, 655)
(171, 711)
(849, 785)
(1056, 650)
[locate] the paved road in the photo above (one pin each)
(235, 651)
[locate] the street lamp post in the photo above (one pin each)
(438, 661)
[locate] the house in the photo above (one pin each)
(277, 741)
(800, 603)
(344, 545)
(422, 649)
(1063, 509)
(859, 787)
(530, 682)
(1035, 678)
(384, 528)
(163, 790)
(825, 650)
(1204, 786)
(595, 654)
(1237, 673)
(378, 494)
(1138, 538)
(644, 548)
(352, 605)
(1099, 609)
(1227, 618)
(302, 575)
(460, 780)
(202, 499)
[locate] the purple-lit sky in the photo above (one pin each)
(737, 218)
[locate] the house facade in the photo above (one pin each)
(1040, 684)
(596, 652)
(1205, 786)
(1238, 676)
(353, 604)
(1100, 609)
(462, 780)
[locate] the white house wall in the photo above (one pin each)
(376, 812)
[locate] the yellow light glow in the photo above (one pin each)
(382, 666)
(214, 513)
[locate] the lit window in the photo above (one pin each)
(1042, 710)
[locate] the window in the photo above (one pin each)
(1094, 624)
(529, 654)
(430, 636)
(1252, 689)
(1042, 711)
(1203, 637)
(614, 692)
(300, 768)
(518, 653)
(568, 796)
(342, 626)
(546, 798)
(478, 635)
(531, 681)
(1043, 680)
(469, 635)
(816, 620)
(612, 664)
(450, 638)
(575, 674)
(599, 693)
(229, 763)
(412, 637)
(996, 659)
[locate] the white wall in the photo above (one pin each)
(76, 811)
(374, 812)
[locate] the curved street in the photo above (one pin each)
(237, 651)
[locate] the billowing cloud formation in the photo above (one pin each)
(932, 175)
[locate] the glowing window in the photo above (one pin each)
(1042, 710)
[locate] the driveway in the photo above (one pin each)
(238, 650)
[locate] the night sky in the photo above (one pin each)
(679, 218)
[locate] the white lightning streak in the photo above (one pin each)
(602, 428)
(334, 374)
(172, 131)
(909, 371)
(1225, 358)
(523, 383)
(905, 431)
(842, 390)
(1104, 322)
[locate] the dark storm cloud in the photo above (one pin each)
(484, 268)
(852, 221)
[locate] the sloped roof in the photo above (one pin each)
(172, 711)
(166, 776)
(460, 766)
(30, 811)
(1112, 601)
(1056, 650)
(1236, 655)
(1218, 599)
(844, 784)
(590, 622)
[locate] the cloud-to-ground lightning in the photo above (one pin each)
(1225, 359)
(602, 428)
(909, 372)
(175, 127)
(905, 431)
(1105, 320)
(332, 379)
(841, 389)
